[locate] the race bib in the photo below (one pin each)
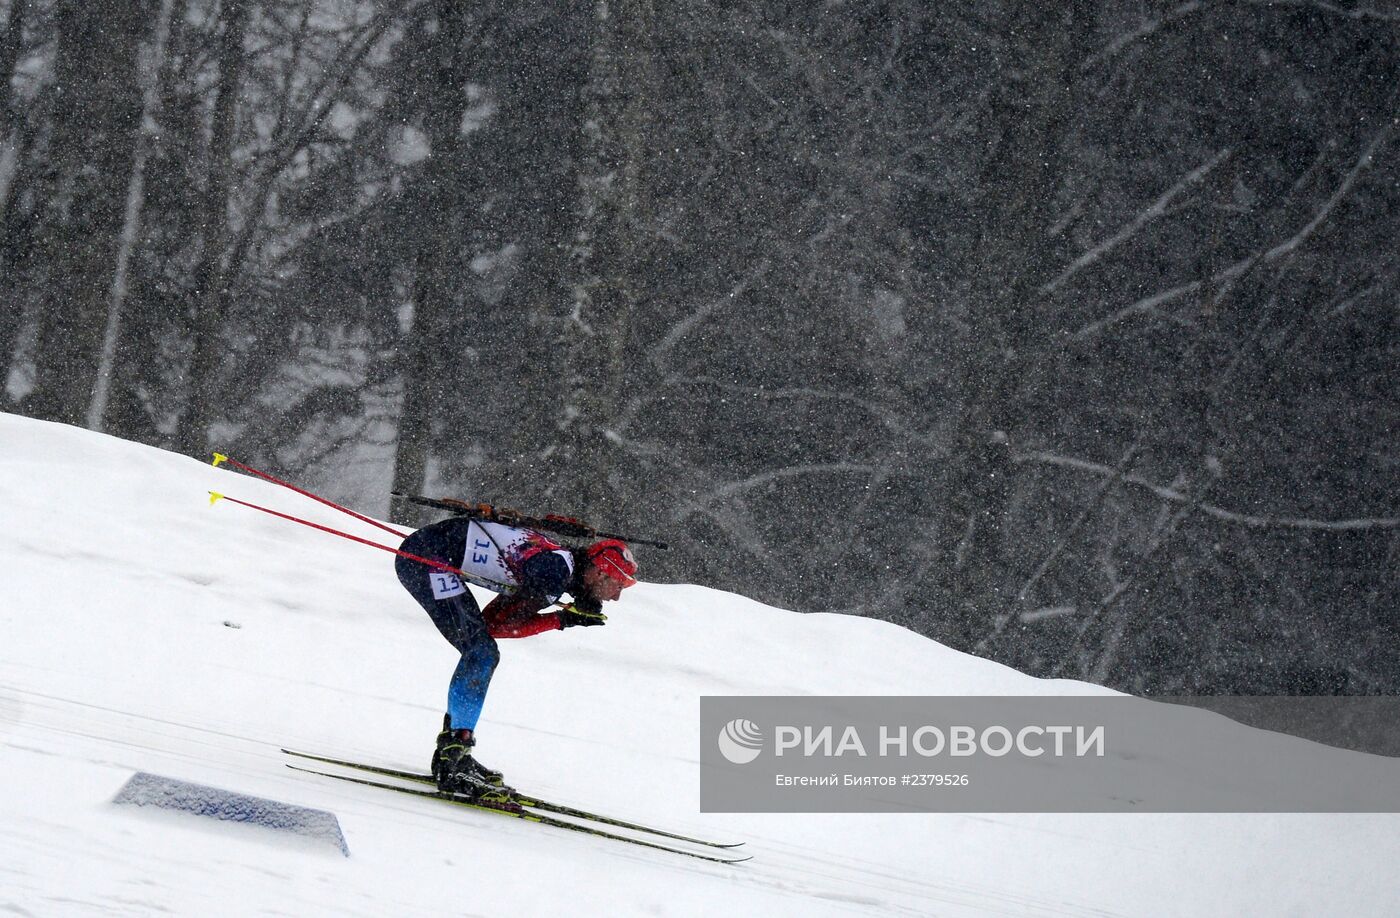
(445, 585)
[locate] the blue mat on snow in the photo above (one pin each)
(145, 789)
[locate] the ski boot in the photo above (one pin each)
(446, 738)
(458, 772)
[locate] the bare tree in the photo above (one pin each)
(95, 136)
(228, 260)
(437, 287)
(613, 240)
(131, 225)
(211, 291)
(11, 154)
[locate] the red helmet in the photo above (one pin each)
(614, 558)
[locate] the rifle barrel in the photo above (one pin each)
(528, 522)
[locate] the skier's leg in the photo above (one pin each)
(465, 696)
(457, 616)
(467, 691)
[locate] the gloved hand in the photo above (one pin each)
(586, 604)
(572, 616)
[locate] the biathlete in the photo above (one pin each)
(530, 572)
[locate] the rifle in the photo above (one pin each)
(561, 525)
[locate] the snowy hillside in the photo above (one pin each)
(141, 629)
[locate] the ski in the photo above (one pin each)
(526, 800)
(518, 811)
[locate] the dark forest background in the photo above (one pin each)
(1063, 333)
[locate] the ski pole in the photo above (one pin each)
(215, 497)
(220, 457)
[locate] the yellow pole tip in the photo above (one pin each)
(214, 497)
(219, 457)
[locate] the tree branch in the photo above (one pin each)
(887, 416)
(1334, 9)
(1157, 209)
(1148, 27)
(1362, 162)
(1146, 304)
(1172, 495)
(1237, 270)
(661, 349)
(791, 471)
(288, 142)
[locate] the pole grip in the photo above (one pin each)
(220, 457)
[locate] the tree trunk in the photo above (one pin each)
(211, 293)
(131, 230)
(11, 41)
(11, 160)
(535, 161)
(94, 138)
(438, 263)
(613, 239)
(1034, 105)
(415, 414)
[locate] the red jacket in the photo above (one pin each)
(518, 616)
(543, 577)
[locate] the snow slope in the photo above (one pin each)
(141, 629)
